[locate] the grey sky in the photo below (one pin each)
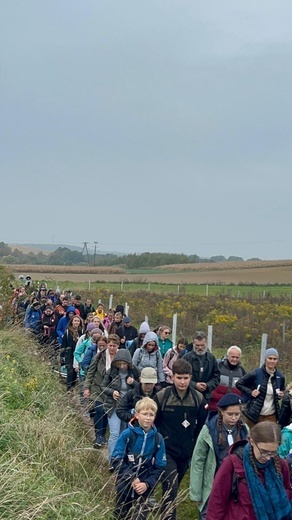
(158, 125)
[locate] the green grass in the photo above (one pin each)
(240, 291)
(48, 469)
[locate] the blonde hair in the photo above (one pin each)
(146, 404)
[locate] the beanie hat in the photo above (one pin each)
(90, 326)
(150, 336)
(271, 352)
(144, 327)
(229, 400)
(96, 331)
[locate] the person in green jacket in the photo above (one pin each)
(222, 429)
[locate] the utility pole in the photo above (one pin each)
(85, 250)
(94, 257)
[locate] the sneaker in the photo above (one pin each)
(103, 441)
(152, 502)
(111, 469)
(97, 443)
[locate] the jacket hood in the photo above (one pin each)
(70, 309)
(211, 421)
(123, 355)
(134, 425)
(150, 336)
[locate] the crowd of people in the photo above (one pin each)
(160, 409)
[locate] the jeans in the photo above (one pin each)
(116, 426)
(100, 419)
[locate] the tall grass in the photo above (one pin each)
(48, 469)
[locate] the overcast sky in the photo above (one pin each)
(158, 125)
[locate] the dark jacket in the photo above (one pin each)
(249, 382)
(63, 323)
(229, 375)
(222, 504)
(210, 373)
(130, 333)
(180, 420)
(112, 380)
(68, 347)
(126, 407)
(285, 417)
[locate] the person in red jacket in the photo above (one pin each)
(253, 483)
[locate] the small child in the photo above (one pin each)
(139, 458)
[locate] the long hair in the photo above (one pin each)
(75, 333)
(266, 431)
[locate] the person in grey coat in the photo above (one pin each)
(149, 356)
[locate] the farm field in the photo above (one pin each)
(271, 278)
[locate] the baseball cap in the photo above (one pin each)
(148, 375)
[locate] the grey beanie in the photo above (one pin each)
(144, 327)
(271, 352)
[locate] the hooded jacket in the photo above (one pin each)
(112, 380)
(142, 358)
(63, 323)
(147, 459)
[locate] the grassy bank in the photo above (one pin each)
(48, 470)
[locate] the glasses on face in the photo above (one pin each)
(265, 454)
(166, 332)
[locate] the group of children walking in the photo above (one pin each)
(142, 389)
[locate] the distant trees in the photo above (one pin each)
(65, 256)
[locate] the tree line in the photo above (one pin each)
(65, 256)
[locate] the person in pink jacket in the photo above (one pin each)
(171, 356)
(253, 483)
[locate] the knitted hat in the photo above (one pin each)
(144, 327)
(90, 326)
(229, 400)
(271, 352)
(96, 331)
(150, 336)
(127, 319)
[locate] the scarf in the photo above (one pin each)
(269, 501)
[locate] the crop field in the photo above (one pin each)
(241, 279)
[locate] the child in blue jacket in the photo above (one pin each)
(139, 459)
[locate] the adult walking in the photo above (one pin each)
(263, 388)
(205, 371)
(231, 370)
